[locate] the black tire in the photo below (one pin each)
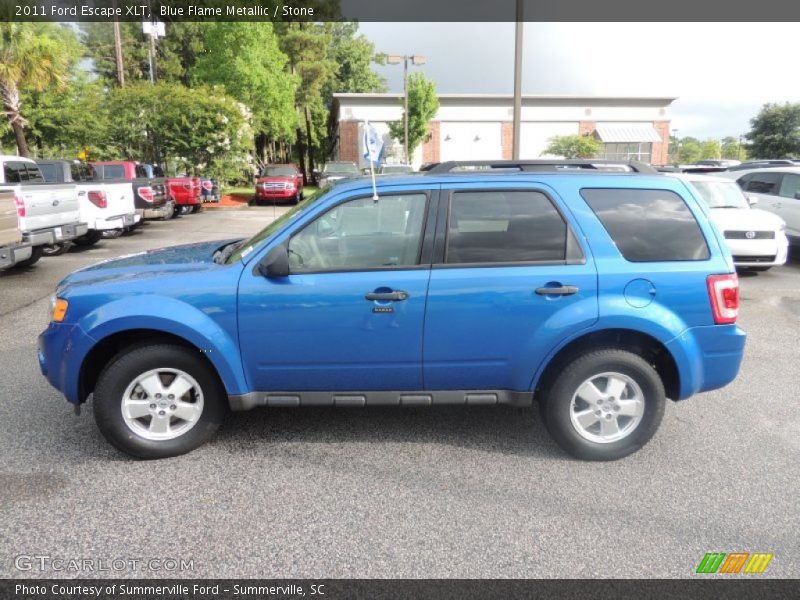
(56, 249)
(125, 368)
(36, 254)
(296, 199)
(197, 208)
(89, 239)
(759, 269)
(556, 403)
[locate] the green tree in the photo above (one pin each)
(710, 149)
(33, 56)
(731, 148)
(245, 59)
(574, 146)
(775, 131)
(690, 150)
(423, 103)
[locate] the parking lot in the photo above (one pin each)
(422, 493)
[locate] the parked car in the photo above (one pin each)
(279, 182)
(148, 184)
(13, 248)
(48, 213)
(395, 169)
(209, 191)
(107, 208)
(777, 190)
(718, 162)
(185, 191)
(756, 238)
(763, 164)
(336, 171)
(598, 294)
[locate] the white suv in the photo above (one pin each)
(756, 238)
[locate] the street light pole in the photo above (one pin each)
(405, 110)
(396, 59)
(517, 82)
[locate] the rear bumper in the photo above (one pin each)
(117, 222)
(159, 212)
(55, 235)
(11, 255)
(707, 357)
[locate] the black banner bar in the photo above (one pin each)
(400, 10)
(731, 588)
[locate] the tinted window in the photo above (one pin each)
(648, 225)
(790, 186)
(49, 172)
(140, 171)
(362, 234)
(33, 174)
(80, 172)
(14, 172)
(764, 183)
(114, 172)
(279, 172)
(501, 227)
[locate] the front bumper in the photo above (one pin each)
(61, 350)
(759, 253)
(276, 194)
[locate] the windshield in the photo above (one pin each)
(723, 194)
(246, 247)
(341, 168)
(278, 172)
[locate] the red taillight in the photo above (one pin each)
(20, 206)
(146, 193)
(98, 199)
(723, 293)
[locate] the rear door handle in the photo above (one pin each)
(397, 296)
(564, 290)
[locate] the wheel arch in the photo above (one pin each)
(642, 344)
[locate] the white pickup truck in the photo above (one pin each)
(106, 207)
(48, 213)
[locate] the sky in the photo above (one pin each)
(721, 73)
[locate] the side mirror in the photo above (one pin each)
(752, 200)
(276, 263)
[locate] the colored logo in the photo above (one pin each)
(734, 562)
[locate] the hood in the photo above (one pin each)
(745, 219)
(151, 263)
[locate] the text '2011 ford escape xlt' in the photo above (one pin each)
(597, 295)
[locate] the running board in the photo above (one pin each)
(360, 399)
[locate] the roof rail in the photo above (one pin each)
(481, 166)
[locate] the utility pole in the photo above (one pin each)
(520, 24)
(416, 59)
(118, 52)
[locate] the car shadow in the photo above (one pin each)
(503, 429)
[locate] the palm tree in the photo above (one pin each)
(28, 59)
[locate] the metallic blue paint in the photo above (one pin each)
(472, 327)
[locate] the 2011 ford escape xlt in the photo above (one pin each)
(598, 295)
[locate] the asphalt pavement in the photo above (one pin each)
(422, 493)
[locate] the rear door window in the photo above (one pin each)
(14, 172)
(648, 225)
(49, 172)
(504, 227)
(113, 172)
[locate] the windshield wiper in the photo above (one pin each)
(222, 255)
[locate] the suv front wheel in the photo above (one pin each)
(604, 405)
(158, 401)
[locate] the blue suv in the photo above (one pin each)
(598, 295)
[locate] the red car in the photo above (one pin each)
(279, 182)
(185, 191)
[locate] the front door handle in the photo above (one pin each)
(397, 296)
(564, 290)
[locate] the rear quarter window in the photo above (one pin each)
(648, 225)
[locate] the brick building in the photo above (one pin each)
(479, 126)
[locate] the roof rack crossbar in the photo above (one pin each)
(536, 165)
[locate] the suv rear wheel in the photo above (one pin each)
(604, 405)
(158, 401)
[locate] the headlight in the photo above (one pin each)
(58, 309)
